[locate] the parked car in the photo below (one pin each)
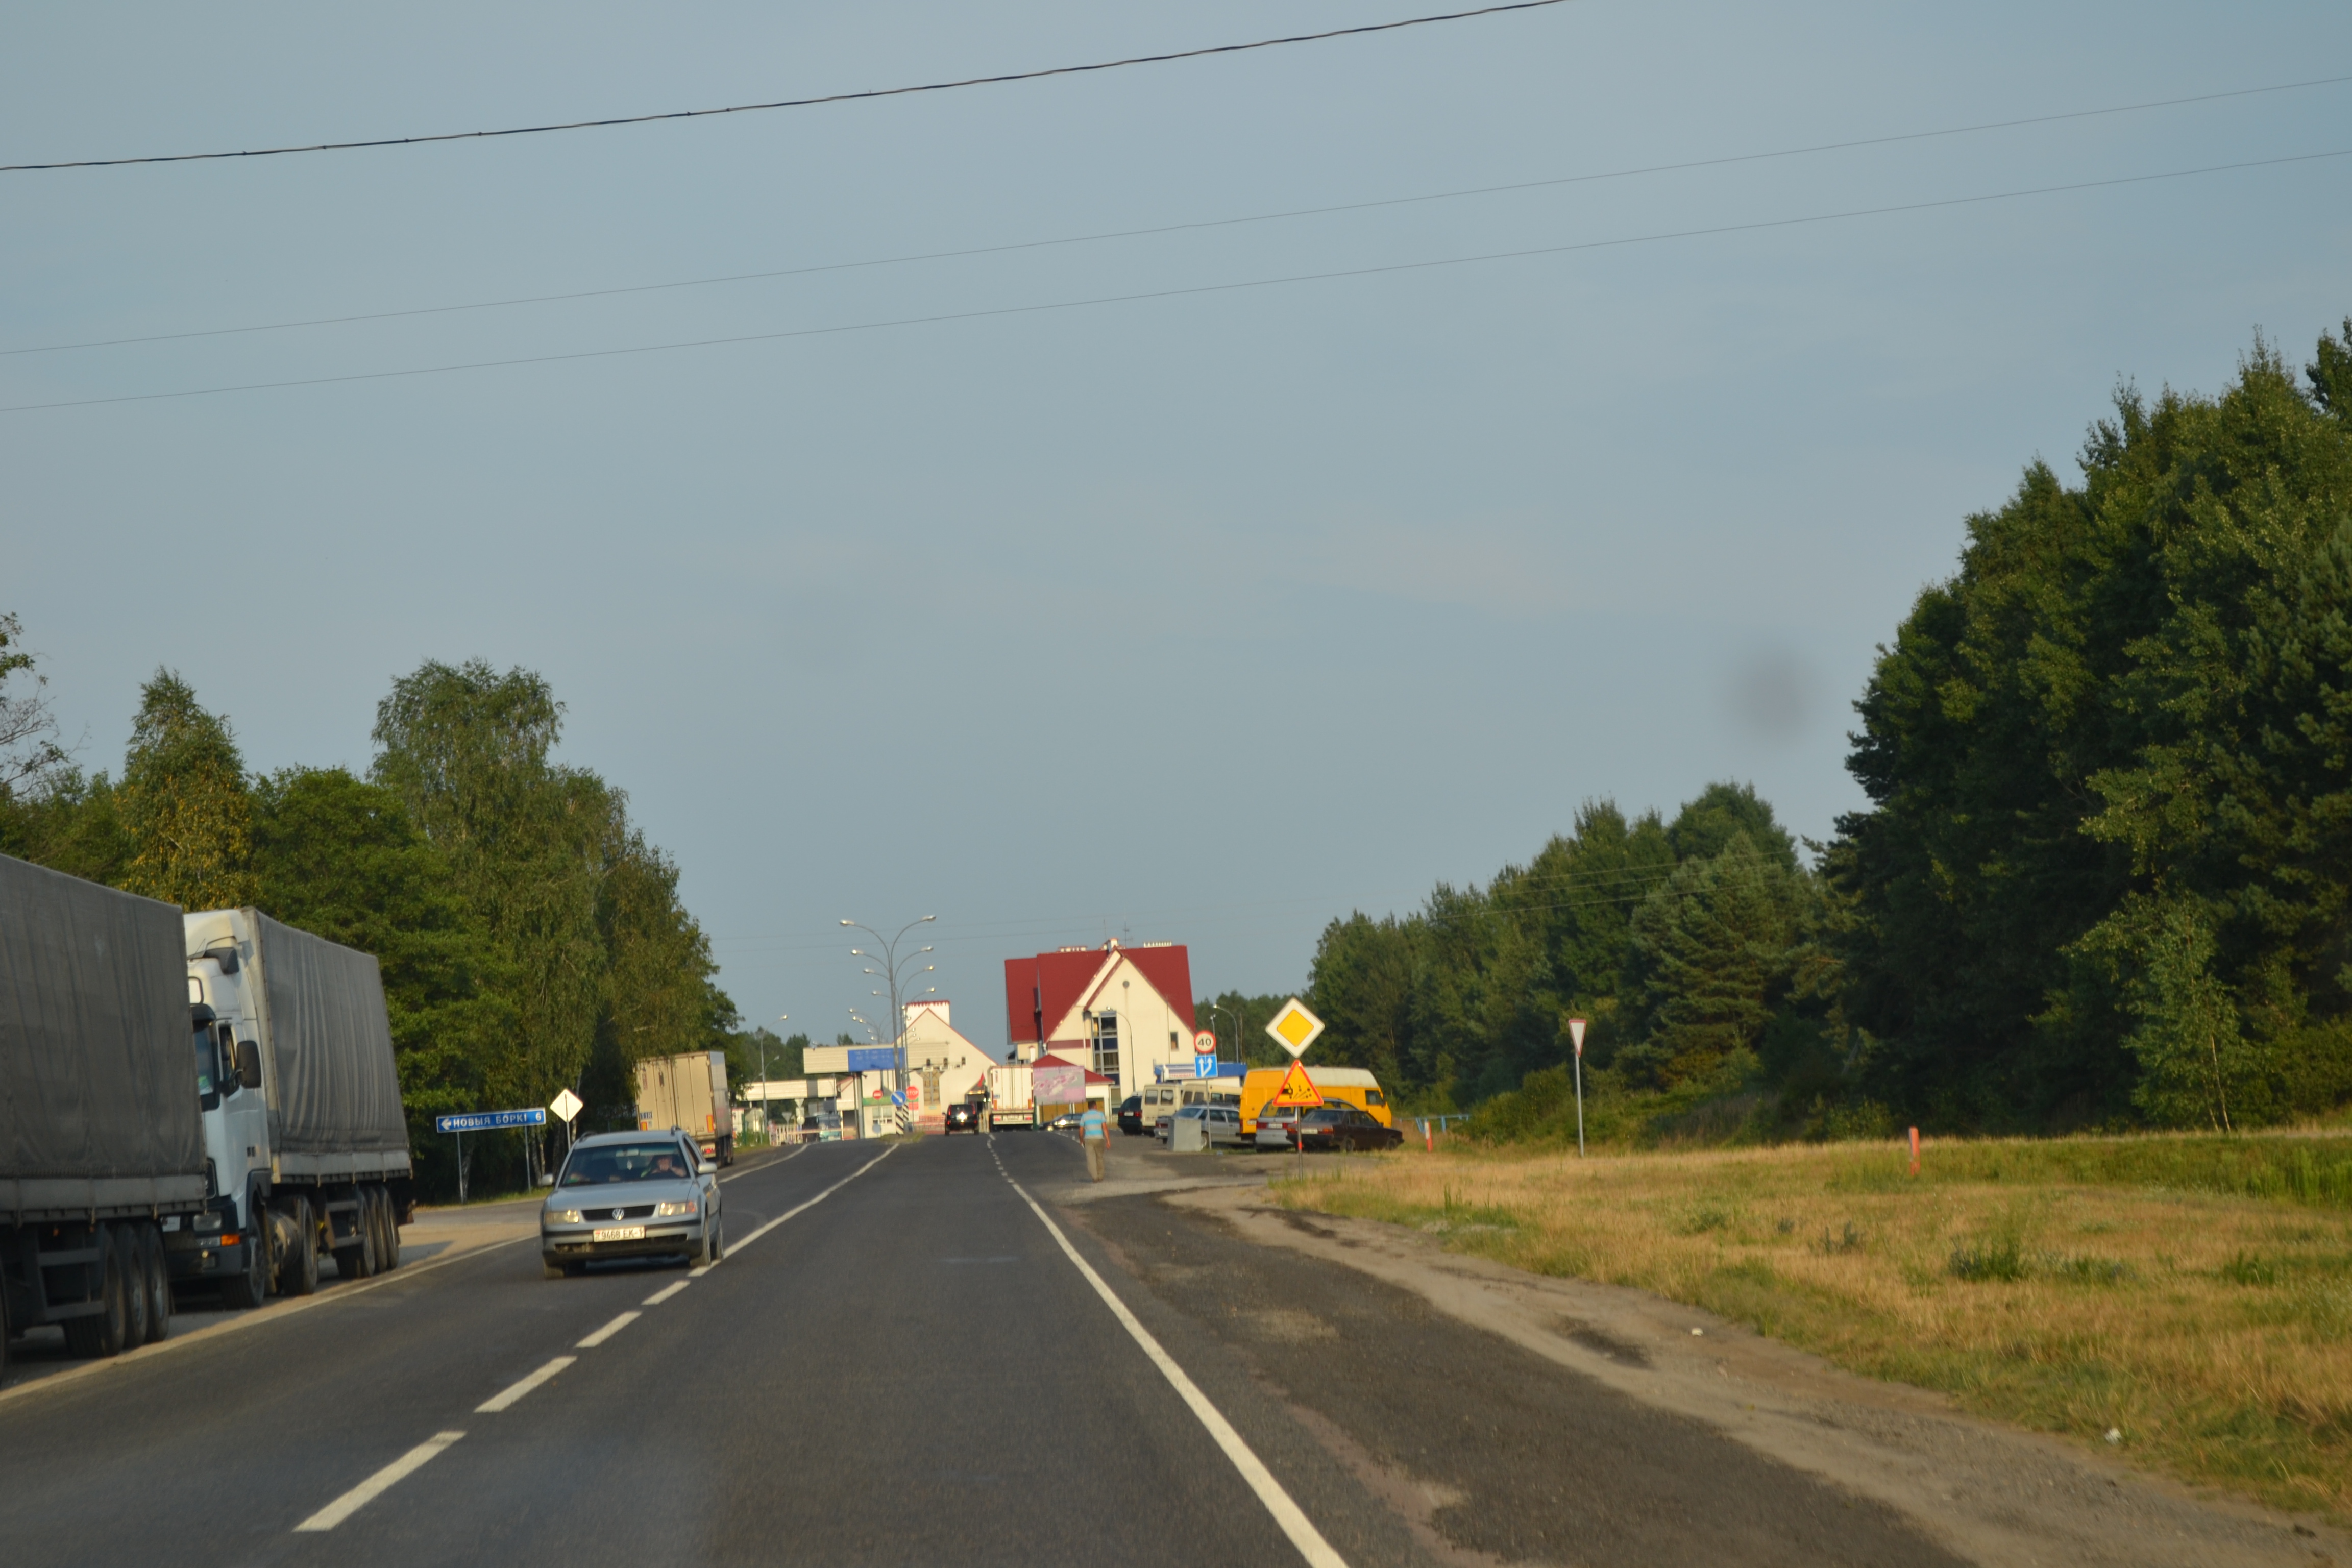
(821, 1126)
(632, 1194)
(1068, 1122)
(1324, 1128)
(963, 1117)
(1130, 1116)
(1220, 1124)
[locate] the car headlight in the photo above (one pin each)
(564, 1216)
(665, 1211)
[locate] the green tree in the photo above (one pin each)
(467, 752)
(340, 856)
(1714, 950)
(2130, 697)
(186, 808)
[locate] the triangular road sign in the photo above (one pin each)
(1576, 1033)
(1297, 1089)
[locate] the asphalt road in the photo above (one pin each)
(912, 1367)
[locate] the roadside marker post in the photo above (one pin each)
(1914, 1151)
(1576, 1038)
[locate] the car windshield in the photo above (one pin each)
(649, 1162)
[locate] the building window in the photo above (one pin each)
(1106, 1045)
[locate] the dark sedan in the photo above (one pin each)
(1326, 1128)
(963, 1118)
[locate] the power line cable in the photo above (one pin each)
(1183, 227)
(788, 102)
(1201, 289)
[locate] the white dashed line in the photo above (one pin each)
(664, 1293)
(803, 1208)
(515, 1391)
(606, 1332)
(376, 1485)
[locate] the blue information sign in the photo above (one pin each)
(483, 1121)
(872, 1058)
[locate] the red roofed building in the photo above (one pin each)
(1117, 1011)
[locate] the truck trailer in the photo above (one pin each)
(690, 1093)
(300, 1100)
(1011, 1096)
(101, 1144)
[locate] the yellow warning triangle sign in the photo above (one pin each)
(1296, 1088)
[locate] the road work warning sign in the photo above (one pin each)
(1296, 1088)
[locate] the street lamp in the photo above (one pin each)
(889, 972)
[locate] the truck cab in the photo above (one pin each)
(231, 1097)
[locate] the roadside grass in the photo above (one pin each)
(2191, 1294)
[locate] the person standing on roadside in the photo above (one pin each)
(1091, 1128)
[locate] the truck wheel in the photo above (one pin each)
(102, 1333)
(298, 1275)
(131, 1265)
(158, 1285)
(242, 1291)
(372, 1220)
(391, 1231)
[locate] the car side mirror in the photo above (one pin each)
(710, 1167)
(248, 1064)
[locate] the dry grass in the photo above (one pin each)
(2147, 1285)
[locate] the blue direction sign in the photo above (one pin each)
(483, 1121)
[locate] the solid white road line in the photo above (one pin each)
(515, 1391)
(663, 1294)
(735, 1247)
(771, 1165)
(606, 1332)
(376, 1485)
(1286, 1513)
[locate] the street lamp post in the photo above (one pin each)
(890, 961)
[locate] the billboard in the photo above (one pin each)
(1059, 1084)
(872, 1058)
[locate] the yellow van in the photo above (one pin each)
(1348, 1086)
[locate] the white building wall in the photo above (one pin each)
(1150, 1031)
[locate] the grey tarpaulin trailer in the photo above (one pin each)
(101, 1144)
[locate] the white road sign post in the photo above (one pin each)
(1575, 1037)
(566, 1105)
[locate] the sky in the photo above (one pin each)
(1204, 617)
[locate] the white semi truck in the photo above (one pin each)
(300, 1100)
(101, 1147)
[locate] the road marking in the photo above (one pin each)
(1286, 1513)
(788, 1213)
(664, 1293)
(699, 1269)
(606, 1332)
(515, 1391)
(376, 1485)
(768, 1165)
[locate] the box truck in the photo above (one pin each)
(301, 1103)
(100, 1146)
(690, 1093)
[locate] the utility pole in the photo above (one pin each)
(888, 973)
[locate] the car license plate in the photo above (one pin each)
(620, 1233)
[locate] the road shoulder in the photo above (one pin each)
(1988, 1492)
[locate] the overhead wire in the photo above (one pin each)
(1390, 268)
(613, 120)
(1642, 171)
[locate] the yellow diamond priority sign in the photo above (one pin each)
(1294, 1028)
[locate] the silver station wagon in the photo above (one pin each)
(631, 1195)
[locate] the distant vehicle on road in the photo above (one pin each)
(1219, 1124)
(1065, 1123)
(1010, 1101)
(1351, 1086)
(1130, 1116)
(101, 1142)
(632, 1194)
(690, 1093)
(963, 1117)
(1324, 1128)
(821, 1126)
